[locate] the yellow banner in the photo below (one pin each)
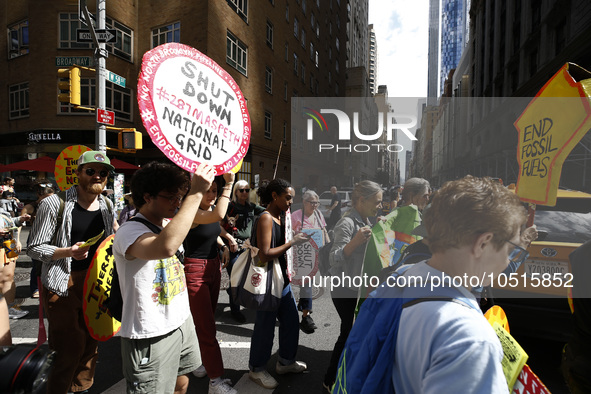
(549, 129)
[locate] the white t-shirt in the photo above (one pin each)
(155, 297)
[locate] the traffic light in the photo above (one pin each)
(130, 139)
(71, 86)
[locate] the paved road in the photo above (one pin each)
(234, 340)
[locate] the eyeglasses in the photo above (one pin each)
(315, 203)
(92, 171)
(244, 190)
(518, 255)
(172, 199)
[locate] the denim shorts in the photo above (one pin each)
(151, 365)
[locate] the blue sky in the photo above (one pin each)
(402, 33)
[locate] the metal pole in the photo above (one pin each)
(101, 98)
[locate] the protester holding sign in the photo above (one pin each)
(269, 237)
(474, 227)
(351, 234)
(64, 222)
(159, 346)
(203, 270)
(308, 218)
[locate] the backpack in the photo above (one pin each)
(365, 366)
(114, 303)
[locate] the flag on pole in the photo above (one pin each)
(388, 240)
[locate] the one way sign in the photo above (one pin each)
(102, 35)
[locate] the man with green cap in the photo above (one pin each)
(64, 222)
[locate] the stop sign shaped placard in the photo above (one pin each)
(192, 108)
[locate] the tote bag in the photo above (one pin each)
(256, 285)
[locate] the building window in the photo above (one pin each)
(168, 33)
(295, 63)
(268, 80)
(312, 21)
(284, 132)
(287, 12)
(296, 27)
(316, 58)
(312, 82)
(241, 8)
(336, 65)
(303, 38)
(286, 52)
(311, 51)
(69, 23)
(123, 48)
(18, 39)
(304, 6)
(87, 98)
(285, 91)
(268, 124)
(336, 88)
(330, 53)
(303, 73)
(269, 34)
(236, 53)
(119, 100)
(338, 44)
(18, 100)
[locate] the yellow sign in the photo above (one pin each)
(497, 314)
(514, 357)
(97, 290)
(549, 128)
(66, 165)
(92, 240)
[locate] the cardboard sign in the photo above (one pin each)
(549, 129)
(97, 289)
(305, 257)
(192, 108)
(66, 165)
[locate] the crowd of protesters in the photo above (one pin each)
(197, 224)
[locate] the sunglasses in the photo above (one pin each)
(244, 190)
(92, 171)
(518, 255)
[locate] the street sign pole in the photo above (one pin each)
(101, 129)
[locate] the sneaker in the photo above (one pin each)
(307, 325)
(238, 317)
(222, 387)
(200, 372)
(295, 367)
(14, 312)
(327, 387)
(35, 294)
(263, 379)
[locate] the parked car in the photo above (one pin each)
(326, 197)
(539, 309)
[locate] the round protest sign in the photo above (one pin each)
(305, 260)
(192, 108)
(97, 290)
(66, 165)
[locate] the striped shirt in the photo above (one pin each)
(55, 273)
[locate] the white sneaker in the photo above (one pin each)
(295, 367)
(222, 387)
(200, 372)
(14, 312)
(263, 379)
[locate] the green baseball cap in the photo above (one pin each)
(93, 156)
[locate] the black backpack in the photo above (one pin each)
(114, 303)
